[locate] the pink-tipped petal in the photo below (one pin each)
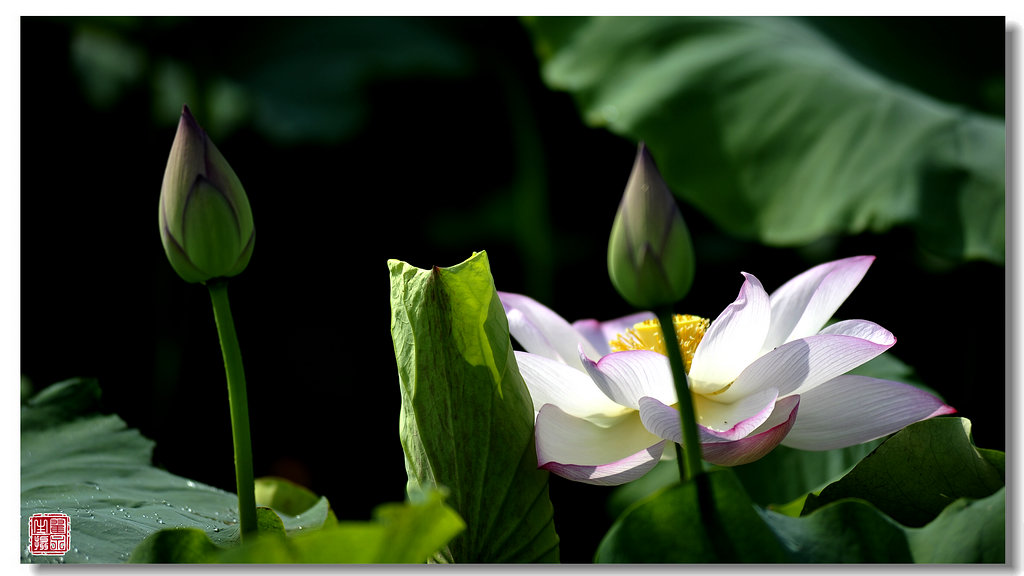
(736, 420)
(863, 329)
(600, 334)
(572, 390)
(803, 304)
(627, 376)
(733, 340)
(798, 366)
(759, 443)
(852, 409)
(614, 473)
(585, 452)
(539, 330)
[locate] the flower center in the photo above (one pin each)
(647, 335)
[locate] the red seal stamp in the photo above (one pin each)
(49, 534)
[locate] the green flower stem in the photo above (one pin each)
(238, 403)
(690, 460)
(691, 466)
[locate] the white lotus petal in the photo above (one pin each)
(733, 340)
(803, 304)
(798, 366)
(852, 409)
(581, 450)
(660, 419)
(738, 419)
(760, 442)
(731, 422)
(572, 390)
(614, 473)
(627, 376)
(863, 329)
(539, 330)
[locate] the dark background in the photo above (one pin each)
(360, 140)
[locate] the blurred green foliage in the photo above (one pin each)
(767, 126)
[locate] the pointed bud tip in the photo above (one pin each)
(189, 119)
(645, 158)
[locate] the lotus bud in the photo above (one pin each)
(650, 255)
(205, 220)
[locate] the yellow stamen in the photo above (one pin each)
(647, 336)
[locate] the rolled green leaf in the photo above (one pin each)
(466, 422)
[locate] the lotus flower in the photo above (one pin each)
(765, 372)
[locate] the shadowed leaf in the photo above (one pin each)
(846, 532)
(405, 533)
(467, 417)
(776, 134)
(966, 531)
(917, 473)
(670, 527)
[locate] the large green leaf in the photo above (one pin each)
(771, 130)
(185, 545)
(967, 531)
(175, 546)
(663, 475)
(467, 418)
(918, 472)
(670, 526)
(850, 531)
(854, 531)
(400, 533)
(410, 532)
(96, 470)
(786, 473)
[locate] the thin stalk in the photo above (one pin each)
(690, 462)
(691, 467)
(681, 462)
(239, 406)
